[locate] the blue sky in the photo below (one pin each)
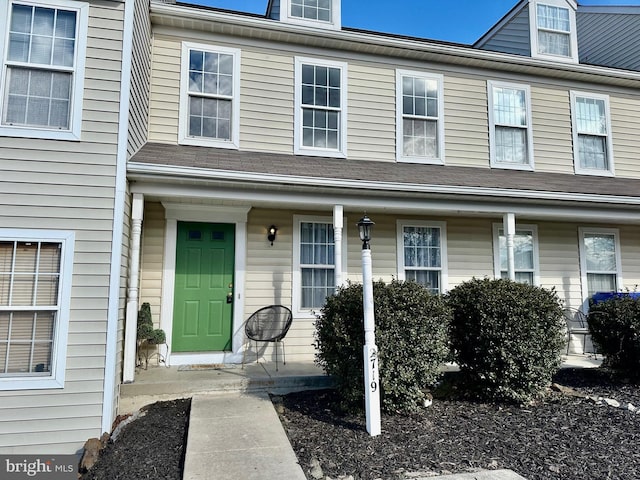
(461, 21)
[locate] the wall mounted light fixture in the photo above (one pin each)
(271, 236)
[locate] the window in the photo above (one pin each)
(554, 33)
(43, 70)
(510, 138)
(592, 145)
(314, 263)
(525, 246)
(35, 282)
(600, 260)
(210, 96)
(312, 9)
(320, 113)
(422, 254)
(420, 117)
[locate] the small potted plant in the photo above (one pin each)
(147, 336)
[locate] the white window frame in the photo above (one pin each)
(333, 24)
(61, 332)
(183, 125)
(583, 257)
(296, 284)
(491, 84)
(400, 156)
(497, 270)
(610, 172)
(299, 148)
(73, 133)
(573, 37)
(400, 224)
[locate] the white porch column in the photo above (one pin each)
(338, 225)
(131, 319)
(509, 226)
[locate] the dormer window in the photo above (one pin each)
(312, 9)
(553, 32)
(310, 13)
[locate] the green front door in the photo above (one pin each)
(203, 299)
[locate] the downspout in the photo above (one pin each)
(110, 397)
(338, 225)
(509, 225)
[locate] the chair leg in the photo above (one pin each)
(276, 347)
(284, 358)
(256, 352)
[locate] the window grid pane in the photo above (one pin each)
(591, 125)
(321, 104)
(312, 9)
(29, 277)
(420, 117)
(317, 249)
(601, 263)
(423, 255)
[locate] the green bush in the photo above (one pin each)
(145, 330)
(614, 326)
(507, 338)
(411, 335)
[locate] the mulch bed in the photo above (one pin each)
(562, 437)
(149, 447)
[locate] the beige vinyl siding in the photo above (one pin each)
(630, 256)
(61, 185)
(551, 129)
(625, 125)
(371, 111)
(152, 258)
(513, 37)
(466, 133)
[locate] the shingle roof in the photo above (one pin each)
(390, 174)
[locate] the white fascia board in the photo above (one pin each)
(142, 170)
(377, 41)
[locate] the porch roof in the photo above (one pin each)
(179, 161)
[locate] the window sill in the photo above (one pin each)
(421, 160)
(34, 383)
(204, 142)
(45, 134)
(514, 166)
(594, 172)
(316, 152)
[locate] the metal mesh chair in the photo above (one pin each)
(269, 324)
(576, 325)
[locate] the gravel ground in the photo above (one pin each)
(563, 437)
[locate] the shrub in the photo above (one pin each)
(506, 337)
(411, 335)
(614, 326)
(145, 330)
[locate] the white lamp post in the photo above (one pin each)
(371, 375)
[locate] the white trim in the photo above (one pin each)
(400, 156)
(296, 283)
(610, 172)
(497, 270)
(444, 263)
(175, 212)
(333, 24)
(111, 348)
(299, 149)
(183, 129)
(491, 84)
(573, 36)
(75, 111)
(583, 259)
(61, 333)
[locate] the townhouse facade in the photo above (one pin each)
(214, 162)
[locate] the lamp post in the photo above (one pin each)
(371, 375)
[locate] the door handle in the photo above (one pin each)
(230, 297)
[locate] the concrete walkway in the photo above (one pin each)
(238, 436)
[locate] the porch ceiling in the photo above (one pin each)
(278, 179)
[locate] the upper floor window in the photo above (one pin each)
(320, 108)
(510, 136)
(312, 9)
(35, 282)
(592, 145)
(600, 260)
(210, 96)
(312, 13)
(422, 254)
(420, 117)
(554, 32)
(43, 69)
(525, 253)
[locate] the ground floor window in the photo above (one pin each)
(422, 254)
(525, 246)
(35, 274)
(600, 260)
